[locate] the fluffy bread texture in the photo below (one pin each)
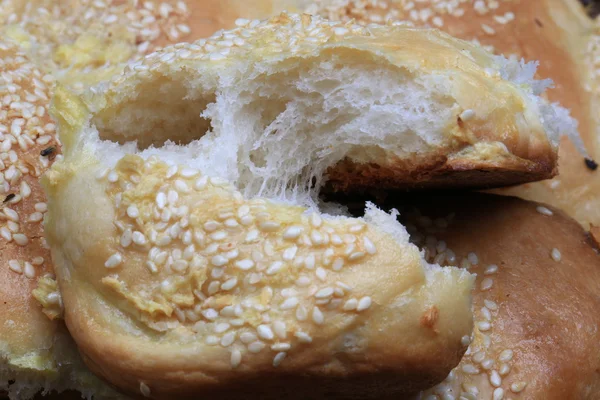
(177, 284)
(537, 329)
(36, 351)
(555, 32)
(378, 106)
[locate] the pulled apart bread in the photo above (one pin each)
(361, 107)
(559, 35)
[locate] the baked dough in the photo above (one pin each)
(537, 329)
(535, 300)
(555, 32)
(176, 284)
(422, 109)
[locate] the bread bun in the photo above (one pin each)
(555, 32)
(176, 284)
(36, 352)
(437, 120)
(535, 300)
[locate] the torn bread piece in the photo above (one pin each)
(384, 106)
(178, 280)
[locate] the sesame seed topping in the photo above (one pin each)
(498, 394)
(236, 358)
(555, 254)
(113, 261)
(145, 390)
(467, 115)
(364, 303)
(506, 355)
(278, 359)
(486, 284)
(518, 387)
(544, 211)
(495, 379)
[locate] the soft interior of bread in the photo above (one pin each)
(276, 134)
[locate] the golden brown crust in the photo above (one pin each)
(546, 321)
(559, 35)
(442, 172)
(355, 354)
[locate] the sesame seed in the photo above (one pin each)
(544, 211)
(321, 274)
(211, 340)
(280, 329)
(506, 355)
(486, 284)
(244, 264)
(15, 266)
(139, 238)
(236, 358)
(229, 284)
(487, 364)
(274, 268)
(518, 387)
(133, 212)
(228, 339)
(293, 232)
(470, 369)
(279, 357)
(265, 332)
(29, 271)
(484, 326)
(20, 239)
(338, 264)
(303, 337)
(495, 379)
(324, 293)
(479, 357)
(269, 226)
(301, 313)
(364, 303)
(219, 261)
(369, 246)
(256, 347)
(144, 389)
(498, 394)
(473, 259)
(467, 115)
(161, 200)
(317, 316)
(504, 369)
(356, 256)
(114, 260)
(555, 254)
(465, 340)
(490, 269)
(248, 337)
(289, 303)
(490, 304)
(281, 347)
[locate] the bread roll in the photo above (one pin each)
(177, 284)
(555, 32)
(36, 353)
(537, 330)
(535, 300)
(409, 119)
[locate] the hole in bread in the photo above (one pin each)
(276, 131)
(164, 110)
